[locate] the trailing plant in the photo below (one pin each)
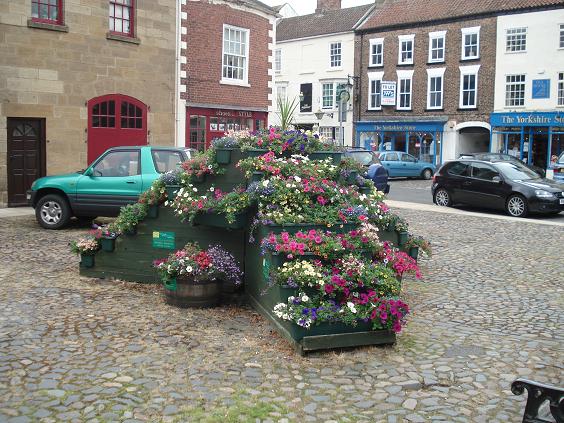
(420, 242)
(155, 195)
(87, 245)
(200, 165)
(296, 165)
(225, 142)
(130, 216)
(172, 177)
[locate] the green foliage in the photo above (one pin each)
(286, 111)
(130, 216)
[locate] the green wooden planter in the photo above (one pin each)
(390, 235)
(257, 176)
(183, 292)
(153, 211)
(131, 232)
(322, 155)
(413, 252)
(171, 191)
(108, 244)
(219, 220)
(223, 155)
(86, 261)
(254, 152)
(402, 238)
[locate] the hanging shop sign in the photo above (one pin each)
(388, 93)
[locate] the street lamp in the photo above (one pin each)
(320, 113)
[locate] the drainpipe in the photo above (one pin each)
(176, 101)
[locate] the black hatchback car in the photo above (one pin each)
(503, 185)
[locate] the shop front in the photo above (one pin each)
(205, 124)
(420, 139)
(535, 137)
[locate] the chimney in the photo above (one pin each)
(323, 5)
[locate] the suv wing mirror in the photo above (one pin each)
(497, 179)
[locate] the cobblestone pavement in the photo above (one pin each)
(75, 349)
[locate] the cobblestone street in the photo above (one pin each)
(488, 310)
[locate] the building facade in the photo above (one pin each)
(225, 69)
(427, 75)
(314, 57)
(528, 118)
(77, 78)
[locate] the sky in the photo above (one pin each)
(304, 7)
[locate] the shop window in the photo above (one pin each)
(514, 90)
(259, 125)
(469, 86)
(121, 17)
(437, 46)
(104, 114)
(561, 89)
(515, 40)
(214, 124)
(235, 55)
(470, 43)
(328, 95)
(377, 52)
(305, 104)
(197, 138)
(278, 60)
(435, 88)
(406, 47)
(335, 54)
(47, 11)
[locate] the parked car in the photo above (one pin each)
(375, 171)
(400, 163)
(504, 185)
(113, 180)
(501, 156)
(558, 168)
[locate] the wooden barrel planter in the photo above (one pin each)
(184, 292)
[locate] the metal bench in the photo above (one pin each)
(537, 395)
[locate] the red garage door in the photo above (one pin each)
(115, 120)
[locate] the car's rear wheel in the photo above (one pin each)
(427, 174)
(52, 211)
(442, 198)
(517, 206)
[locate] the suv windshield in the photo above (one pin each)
(516, 171)
(365, 158)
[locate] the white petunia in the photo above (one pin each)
(189, 269)
(305, 298)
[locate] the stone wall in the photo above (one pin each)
(52, 73)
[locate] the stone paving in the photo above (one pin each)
(76, 349)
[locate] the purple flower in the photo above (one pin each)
(226, 265)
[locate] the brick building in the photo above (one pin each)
(426, 75)
(77, 77)
(225, 68)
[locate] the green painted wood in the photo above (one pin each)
(351, 339)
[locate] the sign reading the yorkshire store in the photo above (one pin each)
(527, 119)
(388, 93)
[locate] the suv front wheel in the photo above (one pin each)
(52, 211)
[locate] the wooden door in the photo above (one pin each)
(26, 157)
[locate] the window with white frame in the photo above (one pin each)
(515, 40)
(561, 88)
(377, 52)
(329, 132)
(335, 54)
(405, 51)
(235, 54)
(514, 90)
(437, 46)
(435, 88)
(281, 91)
(278, 60)
(404, 88)
(470, 43)
(561, 41)
(327, 95)
(375, 90)
(469, 87)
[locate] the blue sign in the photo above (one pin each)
(541, 88)
(527, 119)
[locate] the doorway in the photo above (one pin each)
(539, 147)
(26, 157)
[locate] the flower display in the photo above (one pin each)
(400, 261)
(87, 245)
(286, 141)
(200, 165)
(421, 243)
(295, 165)
(201, 265)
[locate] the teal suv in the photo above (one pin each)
(113, 180)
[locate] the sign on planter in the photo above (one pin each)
(165, 240)
(388, 93)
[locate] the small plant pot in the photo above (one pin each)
(86, 261)
(153, 211)
(402, 238)
(413, 252)
(108, 244)
(198, 179)
(171, 191)
(223, 155)
(257, 176)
